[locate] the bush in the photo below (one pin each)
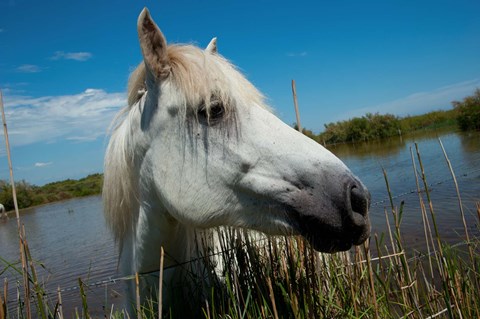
(368, 127)
(468, 112)
(30, 195)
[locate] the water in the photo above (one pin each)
(394, 155)
(71, 240)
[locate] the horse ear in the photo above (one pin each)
(212, 46)
(153, 45)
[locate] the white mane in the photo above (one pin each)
(197, 75)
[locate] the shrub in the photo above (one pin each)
(468, 112)
(368, 127)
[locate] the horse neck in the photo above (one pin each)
(156, 229)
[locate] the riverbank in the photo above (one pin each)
(377, 126)
(31, 195)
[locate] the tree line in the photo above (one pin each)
(31, 195)
(465, 114)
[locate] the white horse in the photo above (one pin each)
(198, 148)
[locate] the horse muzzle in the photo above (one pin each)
(335, 224)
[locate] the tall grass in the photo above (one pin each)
(283, 277)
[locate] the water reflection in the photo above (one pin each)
(470, 141)
(379, 148)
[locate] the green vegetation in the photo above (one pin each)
(465, 115)
(370, 126)
(432, 120)
(469, 112)
(30, 195)
(379, 126)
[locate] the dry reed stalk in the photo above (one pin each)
(438, 314)
(355, 302)
(4, 300)
(478, 210)
(443, 262)
(380, 264)
(111, 313)
(379, 258)
(17, 214)
(358, 261)
(460, 206)
(366, 247)
(426, 224)
(207, 307)
(59, 311)
(288, 260)
(392, 243)
(137, 295)
(295, 103)
(430, 203)
(467, 235)
(272, 298)
(160, 284)
(436, 250)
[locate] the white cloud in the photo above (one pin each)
(297, 54)
(79, 117)
(77, 56)
(40, 164)
(29, 68)
(423, 102)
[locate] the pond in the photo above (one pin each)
(70, 240)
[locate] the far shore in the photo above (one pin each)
(11, 213)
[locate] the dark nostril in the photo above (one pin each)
(359, 200)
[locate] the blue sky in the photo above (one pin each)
(64, 64)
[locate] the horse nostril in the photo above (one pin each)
(360, 200)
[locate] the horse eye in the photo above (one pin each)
(215, 112)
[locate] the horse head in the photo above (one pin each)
(204, 150)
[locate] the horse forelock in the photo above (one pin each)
(198, 75)
(201, 75)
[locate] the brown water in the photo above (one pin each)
(71, 240)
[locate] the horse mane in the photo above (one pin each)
(136, 84)
(198, 75)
